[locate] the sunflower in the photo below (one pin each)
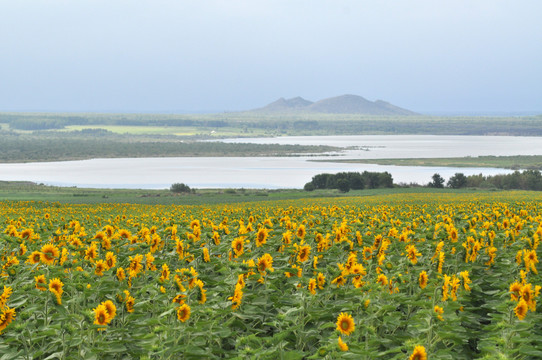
(466, 279)
(5, 296)
(100, 267)
(321, 279)
(179, 248)
(135, 263)
(194, 223)
(179, 299)
(55, 286)
(441, 257)
(238, 246)
(439, 311)
(111, 309)
(110, 259)
(515, 291)
(164, 275)
(521, 309)
(206, 256)
(34, 258)
(130, 301)
(237, 296)
(287, 237)
(27, 234)
(101, 316)
(261, 236)
(125, 234)
(48, 254)
(419, 353)
(241, 280)
(301, 231)
(91, 252)
(202, 293)
(339, 281)
(528, 295)
(345, 324)
(265, 262)
(22, 249)
(382, 280)
(303, 253)
(154, 242)
(6, 317)
(312, 286)
(41, 283)
(63, 256)
(453, 235)
(216, 238)
(358, 270)
(367, 253)
(342, 345)
(183, 312)
(531, 260)
(100, 235)
(423, 279)
(412, 254)
(121, 274)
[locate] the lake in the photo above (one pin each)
(274, 172)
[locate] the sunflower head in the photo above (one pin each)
(423, 279)
(101, 316)
(111, 308)
(345, 324)
(55, 286)
(183, 312)
(41, 283)
(48, 254)
(342, 345)
(419, 353)
(521, 309)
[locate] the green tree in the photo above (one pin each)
(459, 180)
(343, 185)
(437, 181)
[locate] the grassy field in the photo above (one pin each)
(182, 131)
(533, 162)
(28, 191)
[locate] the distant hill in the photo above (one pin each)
(344, 104)
(283, 105)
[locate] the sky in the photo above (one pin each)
(174, 56)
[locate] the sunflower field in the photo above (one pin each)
(406, 276)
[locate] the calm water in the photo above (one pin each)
(273, 172)
(416, 146)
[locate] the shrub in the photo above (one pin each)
(180, 188)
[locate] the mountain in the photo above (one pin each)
(286, 105)
(344, 104)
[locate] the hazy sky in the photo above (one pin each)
(199, 55)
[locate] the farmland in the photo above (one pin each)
(391, 275)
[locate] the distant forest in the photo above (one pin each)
(299, 124)
(79, 145)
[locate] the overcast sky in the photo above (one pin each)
(211, 55)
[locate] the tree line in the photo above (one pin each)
(526, 180)
(346, 181)
(302, 124)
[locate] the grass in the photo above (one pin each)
(28, 191)
(533, 162)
